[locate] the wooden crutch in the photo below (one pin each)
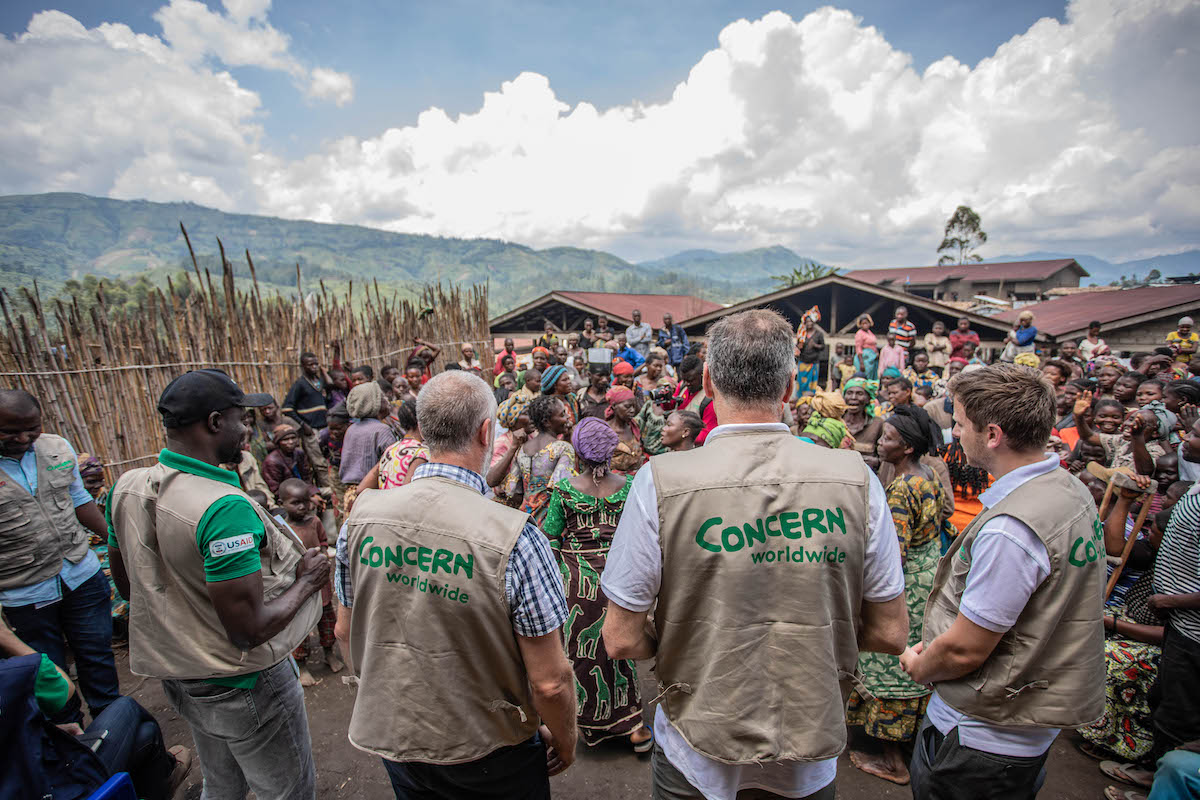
(1133, 537)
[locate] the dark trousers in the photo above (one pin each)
(669, 784)
(1175, 696)
(517, 772)
(944, 769)
(131, 741)
(83, 618)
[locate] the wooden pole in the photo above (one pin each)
(1137, 527)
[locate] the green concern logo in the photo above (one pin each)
(1087, 549)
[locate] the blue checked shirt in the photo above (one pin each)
(532, 582)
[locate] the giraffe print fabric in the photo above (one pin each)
(580, 529)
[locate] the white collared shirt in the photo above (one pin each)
(632, 577)
(1008, 562)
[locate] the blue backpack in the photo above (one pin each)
(41, 760)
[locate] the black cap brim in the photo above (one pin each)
(256, 400)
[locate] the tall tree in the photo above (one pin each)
(807, 271)
(963, 236)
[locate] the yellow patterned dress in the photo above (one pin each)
(898, 705)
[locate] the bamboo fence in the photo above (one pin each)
(98, 375)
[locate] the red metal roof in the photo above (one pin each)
(983, 273)
(652, 306)
(1073, 312)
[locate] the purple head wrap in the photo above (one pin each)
(594, 440)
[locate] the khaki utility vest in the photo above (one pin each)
(762, 539)
(174, 631)
(1048, 670)
(441, 679)
(38, 531)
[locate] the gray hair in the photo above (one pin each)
(750, 357)
(450, 409)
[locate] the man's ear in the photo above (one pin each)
(707, 383)
(485, 432)
(214, 421)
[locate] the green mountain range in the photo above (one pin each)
(57, 237)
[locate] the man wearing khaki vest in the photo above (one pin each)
(1014, 640)
(455, 610)
(54, 593)
(219, 596)
(773, 563)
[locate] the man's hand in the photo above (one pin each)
(1158, 602)
(909, 659)
(305, 429)
(1083, 403)
(71, 728)
(313, 568)
(556, 762)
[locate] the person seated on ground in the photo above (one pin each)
(66, 762)
(1132, 648)
(299, 513)
(1163, 491)
(680, 431)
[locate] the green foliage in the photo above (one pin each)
(807, 271)
(962, 237)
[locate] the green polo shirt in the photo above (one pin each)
(231, 517)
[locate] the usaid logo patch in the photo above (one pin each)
(234, 544)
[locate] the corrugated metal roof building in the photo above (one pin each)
(567, 311)
(1008, 280)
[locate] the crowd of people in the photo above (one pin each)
(955, 558)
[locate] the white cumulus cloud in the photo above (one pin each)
(815, 133)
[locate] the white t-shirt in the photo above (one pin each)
(1008, 562)
(631, 579)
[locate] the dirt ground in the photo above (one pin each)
(602, 773)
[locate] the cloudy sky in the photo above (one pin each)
(848, 133)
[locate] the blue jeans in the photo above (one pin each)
(517, 772)
(1177, 777)
(83, 618)
(253, 738)
(131, 741)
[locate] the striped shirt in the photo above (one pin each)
(905, 332)
(1177, 568)
(532, 582)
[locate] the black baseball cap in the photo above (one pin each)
(194, 395)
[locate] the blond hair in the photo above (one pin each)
(1016, 399)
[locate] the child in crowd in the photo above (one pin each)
(920, 373)
(298, 509)
(844, 364)
(892, 355)
(1125, 389)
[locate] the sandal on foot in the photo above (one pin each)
(643, 746)
(1127, 773)
(1093, 750)
(1118, 793)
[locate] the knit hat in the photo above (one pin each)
(551, 377)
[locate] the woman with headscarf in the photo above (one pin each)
(1021, 338)
(622, 408)
(810, 344)
(894, 713)
(513, 417)
(556, 381)
(582, 516)
(866, 348)
(542, 461)
(860, 419)
(368, 435)
(825, 423)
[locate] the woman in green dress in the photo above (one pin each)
(583, 513)
(894, 713)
